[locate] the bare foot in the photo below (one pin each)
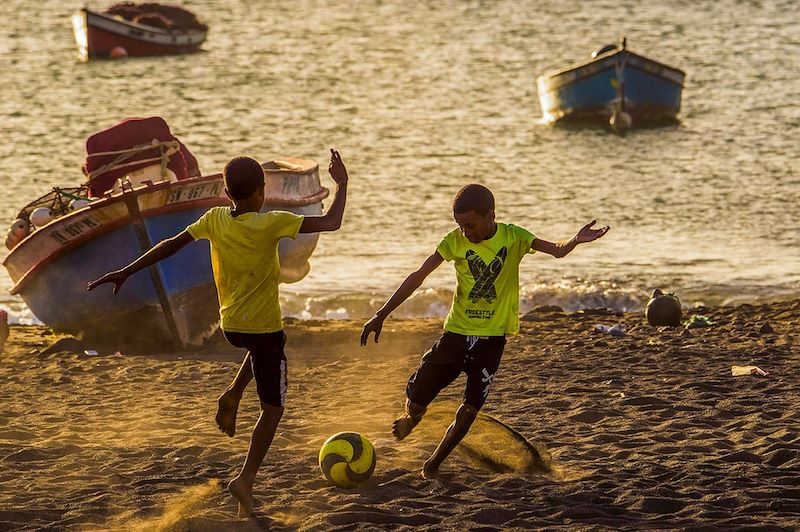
(227, 406)
(429, 472)
(243, 493)
(403, 426)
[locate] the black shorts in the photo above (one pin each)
(268, 362)
(477, 356)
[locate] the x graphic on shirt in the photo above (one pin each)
(485, 275)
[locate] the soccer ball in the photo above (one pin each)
(347, 459)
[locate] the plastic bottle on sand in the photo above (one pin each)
(738, 371)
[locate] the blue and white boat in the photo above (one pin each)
(615, 86)
(173, 303)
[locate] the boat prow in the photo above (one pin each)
(615, 85)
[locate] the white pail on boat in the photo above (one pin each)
(150, 173)
(41, 216)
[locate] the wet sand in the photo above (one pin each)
(645, 431)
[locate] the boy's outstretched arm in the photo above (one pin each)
(160, 251)
(562, 249)
(331, 220)
(403, 292)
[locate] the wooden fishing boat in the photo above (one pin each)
(137, 30)
(616, 86)
(171, 303)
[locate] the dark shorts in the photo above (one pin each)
(268, 362)
(477, 356)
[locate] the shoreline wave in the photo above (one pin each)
(571, 296)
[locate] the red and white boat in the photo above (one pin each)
(137, 30)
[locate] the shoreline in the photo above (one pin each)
(433, 302)
(646, 430)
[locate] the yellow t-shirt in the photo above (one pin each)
(244, 258)
(486, 300)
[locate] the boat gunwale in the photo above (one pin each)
(143, 27)
(216, 201)
(544, 78)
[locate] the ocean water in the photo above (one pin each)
(421, 99)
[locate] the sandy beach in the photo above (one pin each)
(649, 430)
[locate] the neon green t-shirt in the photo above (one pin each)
(486, 300)
(244, 258)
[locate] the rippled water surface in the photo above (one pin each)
(422, 100)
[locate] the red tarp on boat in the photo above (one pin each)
(127, 134)
(163, 16)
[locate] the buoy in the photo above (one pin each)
(20, 228)
(620, 121)
(41, 216)
(76, 204)
(11, 240)
(118, 52)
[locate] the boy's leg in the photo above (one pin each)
(465, 415)
(402, 426)
(228, 402)
(436, 371)
(268, 364)
(481, 362)
(241, 487)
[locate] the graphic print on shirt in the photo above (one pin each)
(485, 275)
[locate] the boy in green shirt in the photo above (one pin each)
(244, 259)
(486, 255)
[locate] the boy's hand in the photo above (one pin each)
(373, 325)
(116, 277)
(336, 168)
(587, 234)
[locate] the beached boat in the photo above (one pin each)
(93, 231)
(616, 86)
(129, 29)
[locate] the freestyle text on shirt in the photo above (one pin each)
(486, 299)
(244, 259)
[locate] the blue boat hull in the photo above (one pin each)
(136, 314)
(136, 311)
(643, 88)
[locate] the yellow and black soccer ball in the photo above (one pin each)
(347, 459)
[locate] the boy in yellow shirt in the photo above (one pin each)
(244, 259)
(486, 255)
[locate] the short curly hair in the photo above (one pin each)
(243, 176)
(475, 198)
